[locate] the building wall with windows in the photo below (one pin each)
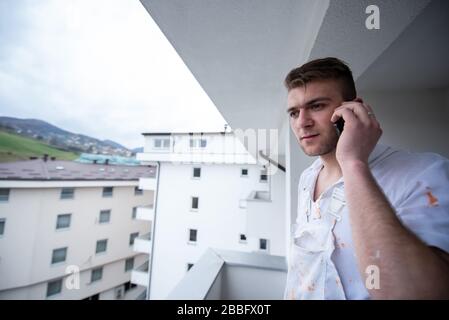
(203, 204)
(219, 219)
(39, 218)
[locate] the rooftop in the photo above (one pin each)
(40, 169)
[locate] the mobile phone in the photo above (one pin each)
(339, 124)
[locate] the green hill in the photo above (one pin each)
(14, 148)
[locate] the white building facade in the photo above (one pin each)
(210, 193)
(68, 230)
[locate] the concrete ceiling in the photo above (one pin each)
(418, 59)
(240, 50)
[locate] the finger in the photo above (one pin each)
(372, 115)
(359, 111)
(344, 113)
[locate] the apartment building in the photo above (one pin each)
(67, 229)
(210, 193)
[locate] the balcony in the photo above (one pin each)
(143, 243)
(229, 275)
(137, 293)
(147, 183)
(145, 213)
(140, 275)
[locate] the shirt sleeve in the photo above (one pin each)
(425, 209)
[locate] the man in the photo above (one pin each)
(373, 222)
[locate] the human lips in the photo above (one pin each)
(308, 136)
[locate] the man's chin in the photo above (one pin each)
(318, 150)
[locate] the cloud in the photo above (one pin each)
(101, 68)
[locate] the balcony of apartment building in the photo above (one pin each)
(147, 183)
(145, 213)
(141, 275)
(232, 275)
(142, 243)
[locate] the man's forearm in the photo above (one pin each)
(408, 268)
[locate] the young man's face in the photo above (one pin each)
(310, 109)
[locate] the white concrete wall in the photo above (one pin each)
(240, 283)
(31, 235)
(219, 220)
(413, 120)
(266, 218)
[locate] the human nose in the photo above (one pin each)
(304, 120)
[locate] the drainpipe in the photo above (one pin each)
(270, 162)
(153, 229)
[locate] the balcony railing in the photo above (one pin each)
(147, 183)
(145, 213)
(143, 243)
(228, 275)
(140, 275)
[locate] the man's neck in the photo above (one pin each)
(331, 167)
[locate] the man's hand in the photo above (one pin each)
(360, 135)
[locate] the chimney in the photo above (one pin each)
(95, 161)
(106, 162)
(45, 157)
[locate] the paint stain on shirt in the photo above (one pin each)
(432, 201)
(337, 281)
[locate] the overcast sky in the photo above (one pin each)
(97, 67)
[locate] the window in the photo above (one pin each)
(195, 203)
(107, 192)
(54, 287)
(137, 191)
(96, 274)
(242, 238)
(4, 195)
(105, 216)
(263, 176)
(133, 237)
(67, 193)
(59, 255)
(129, 264)
(244, 173)
(2, 226)
(101, 246)
(134, 214)
(196, 172)
(193, 233)
(189, 266)
(63, 221)
(161, 143)
(198, 143)
(263, 244)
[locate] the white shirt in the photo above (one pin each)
(417, 186)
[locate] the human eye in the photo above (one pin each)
(317, 106)
(294, 114)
